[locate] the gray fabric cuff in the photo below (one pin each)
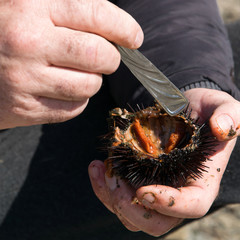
(202, 84)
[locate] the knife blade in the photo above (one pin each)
(158, 85)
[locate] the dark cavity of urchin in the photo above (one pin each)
(175, 168)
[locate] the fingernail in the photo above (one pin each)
(94, 172)
(139, 39)
(148, 199)
(111, 182)
(225, 123)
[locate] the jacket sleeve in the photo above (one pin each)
(186, 40)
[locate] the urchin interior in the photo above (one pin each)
(158, 135)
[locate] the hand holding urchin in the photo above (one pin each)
(150, 147)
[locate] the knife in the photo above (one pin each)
(158, 85)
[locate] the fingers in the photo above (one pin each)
(43, 94)
(29, 110)
(149, 221)
(186, 202)
(83, 51)
(64, 84)
(99, 17)
(156, 209)
(225, 121)
(48, 110)
(222, 109)
(119, 198)
(194, 199)
(53, 63)
(96, 172)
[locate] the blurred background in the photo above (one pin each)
(224, 224)
(230, 10)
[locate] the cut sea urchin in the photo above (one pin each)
(150, 147)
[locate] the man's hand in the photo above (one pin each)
(53, 55)
(161, 207)
(223, 109)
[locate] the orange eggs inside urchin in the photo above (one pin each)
(150, 147)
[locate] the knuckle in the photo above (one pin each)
(65, 89)
(97, 12)
(23, 109)
(92, 54)
(87, 50)
(78, 89)
(18, 111)
(13, 78)
(71, 45)
(18, 40)
(102, 57)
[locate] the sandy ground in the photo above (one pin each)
(225, 223)
(230, 9)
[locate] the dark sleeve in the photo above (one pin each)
(186, 40)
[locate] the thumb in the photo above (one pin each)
(225, 121)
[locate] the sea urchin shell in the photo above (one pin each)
(150, 147)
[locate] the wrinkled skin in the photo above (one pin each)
(165, 207)
(53, 54)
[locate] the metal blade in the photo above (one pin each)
(158, 85)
